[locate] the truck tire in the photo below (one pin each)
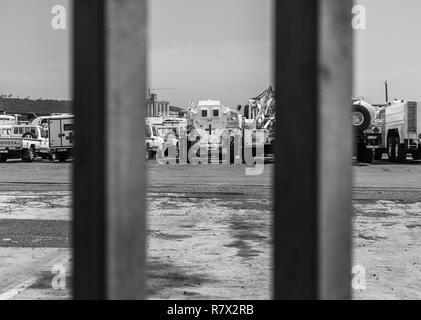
(402, 152)
(3, 158)
(232, 151)
(364, 155)
(361, 117)
(28, 154)
(28, 135)
(269, 148)
(378, 154)
(62, 156)
(416, 155)
(149, 154)
(177, 152)
(190, 144)
(368, 156)
(360, 152)
(392, 148)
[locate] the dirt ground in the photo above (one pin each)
(209, 231)
(387, 229)
(35, 227)
(209, 234)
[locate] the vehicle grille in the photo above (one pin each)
(412, 117)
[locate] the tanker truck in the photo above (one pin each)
(367, 130)
(402, 130)
(259, 114)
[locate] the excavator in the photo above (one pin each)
(259, 114)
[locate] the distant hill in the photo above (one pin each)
(38, 107)
(42, 107)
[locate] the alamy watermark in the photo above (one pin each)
(359, 19)
(358, 281)
(58, 21)
(224, 147)
(59, 279)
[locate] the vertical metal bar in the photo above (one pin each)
(313, 149)
(109, 179)
(89, 168)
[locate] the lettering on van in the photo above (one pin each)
(8, 143)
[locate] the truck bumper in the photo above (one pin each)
(371, 140)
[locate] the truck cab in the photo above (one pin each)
(33, 132)
(211, 121)
(211, 129)
(24, 142)
(153, 142)
(8, 121)
(169, 135)
(170, 130)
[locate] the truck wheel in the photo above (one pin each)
(177, 152)
(416, 155)
(232, 151)
(364, 155)
(28, 135)
(28, 155)
(368, 156)
(148, 153)
(378, 154)
(402, 152)
(3, 158)
(392, 148)
(361, 118)
(62, 157)
(269, 149)
(189, 145)
(360, 152)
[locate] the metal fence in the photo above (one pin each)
(312, 218)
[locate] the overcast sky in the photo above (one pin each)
(219, 49)
(34, 58)
(389, 49)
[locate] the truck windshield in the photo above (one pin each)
(43, 133)
(164, 132)
(34, 132)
